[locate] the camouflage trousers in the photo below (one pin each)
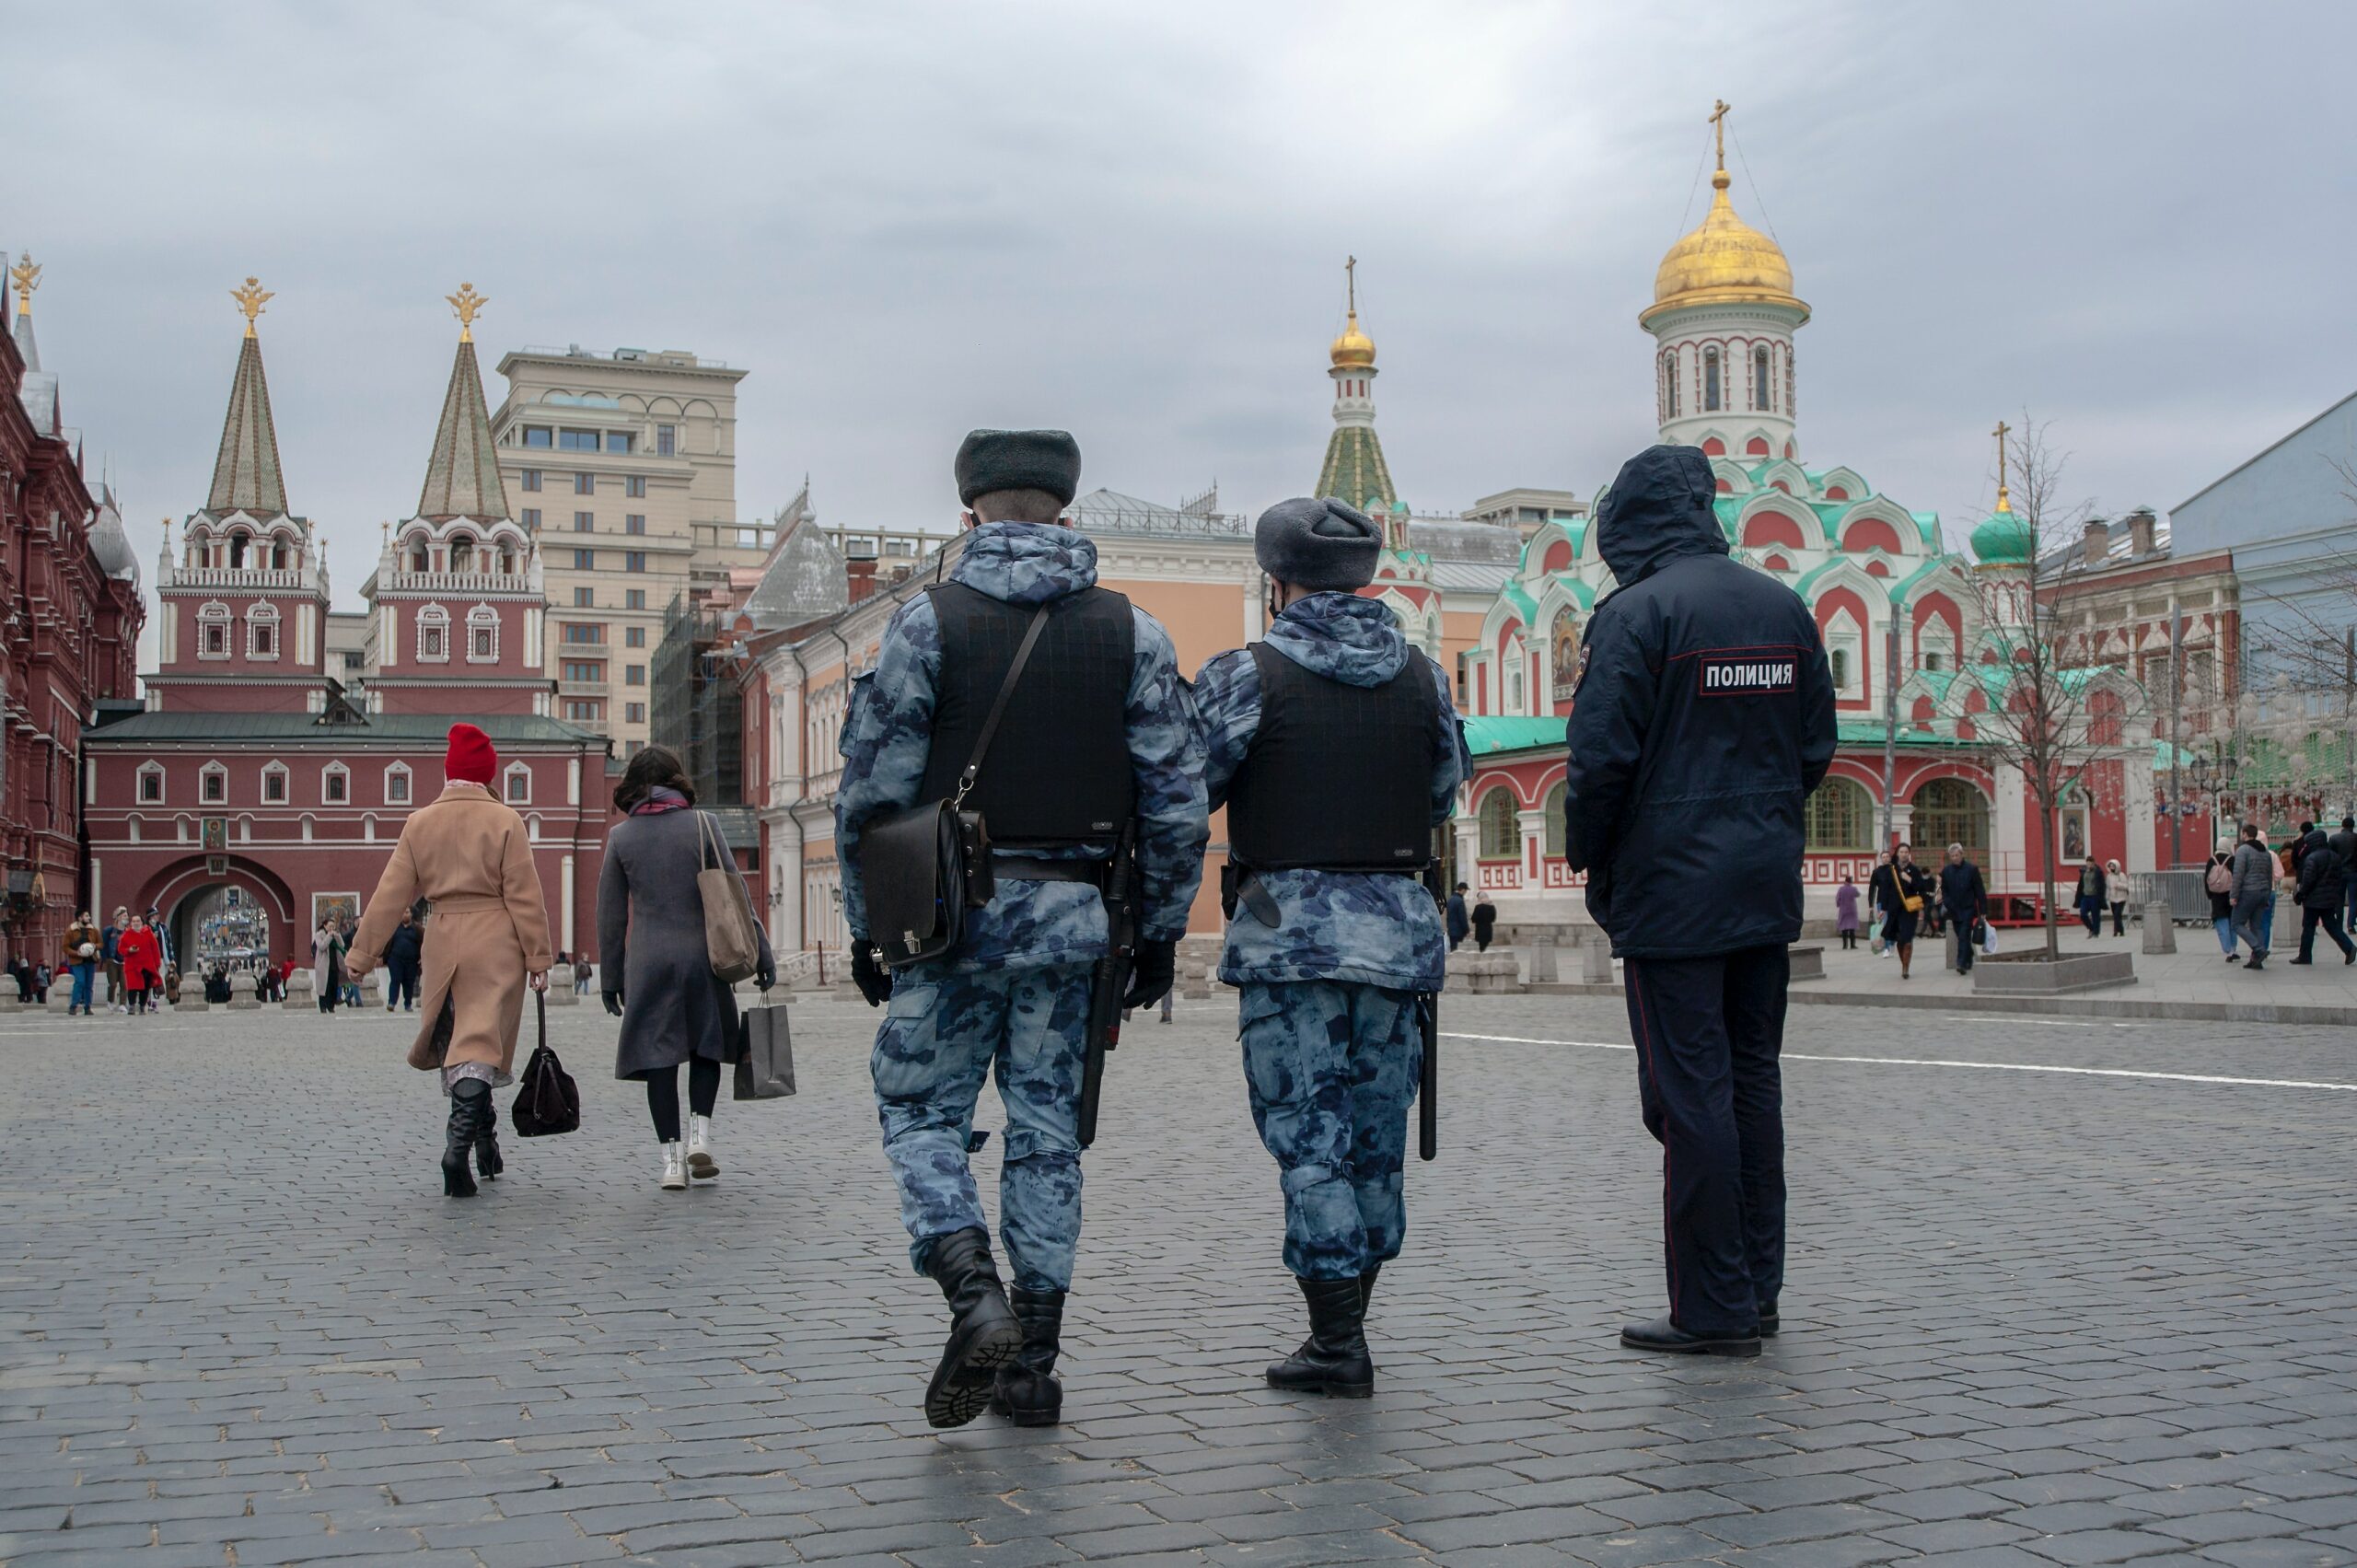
(1333, 1068)
(940, 1034)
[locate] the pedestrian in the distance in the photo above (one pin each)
(42, 974)
(110, 955)
(1900, 889)
(1966, 899)
(328, 964)
(1702, 720)
(2322, 888)
(2344, 844)
(1485, 924)
(143, 959)
(659, 983)
(404, 959)
(2218, 881)
(82, 958)
(1460, 924)
(2089, 899)
(2115, 893)
(1845, 912)
(469, 852)
(2254, 894)
(172, 983)
(582, 974)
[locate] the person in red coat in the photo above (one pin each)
(142, 963)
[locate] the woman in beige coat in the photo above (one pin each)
(469, 857)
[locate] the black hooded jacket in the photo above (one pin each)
(1703, 719)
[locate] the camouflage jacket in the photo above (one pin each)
(1331, 924)
(887, 738)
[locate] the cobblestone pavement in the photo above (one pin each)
(2034, 1318)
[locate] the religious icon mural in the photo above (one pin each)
(1564, 654)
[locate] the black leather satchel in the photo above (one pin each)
(548, 1102)
(924, 867)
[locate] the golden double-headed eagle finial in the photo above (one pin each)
(467, 303)
(250, 300)
(26, 274)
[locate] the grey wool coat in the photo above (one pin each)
(650, 938)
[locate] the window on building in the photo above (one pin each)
(580, 631)
(1841, 817)
(667, 440)
(585, 484)
(1760, 382)
(1501, 827)
(433, 635)
(619, 441)
(634, 712)
(585, 560)
(531, 519)
(634, 599)
(538, 436)
(1711, 380)
(213, 630)
(634, 522)
(585, 598)
(585, 672)
(1556, 835)
(151, 785)
(635, 561)
(634, 675)
(519, 784)
(274, 785)
(482, 635)
(634, 636)
(462, 554)
(213, 784)
(1669, 376)
(529, 479)
(335, 784)
(418, 559)
(635, 486)
(586, 712)
(585, 522)
(1839, 659)
(1950, 811)
(396, 784)
(576, 440)
(261, 633)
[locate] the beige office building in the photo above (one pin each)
(623, 466)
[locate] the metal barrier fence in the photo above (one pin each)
(2183, 891)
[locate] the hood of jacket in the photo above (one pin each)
(1658, 509)
(1340, 636)
(1025, 562)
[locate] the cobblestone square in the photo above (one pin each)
(2034, 1318)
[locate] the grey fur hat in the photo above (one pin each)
(1018, 460)
(1321, 545)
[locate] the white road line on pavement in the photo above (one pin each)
(1935, 1062)
(1987, 1021)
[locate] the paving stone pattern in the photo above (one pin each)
(2033, 1319)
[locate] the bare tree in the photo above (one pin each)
(2053, 713)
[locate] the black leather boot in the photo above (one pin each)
(487, 1158)
(1333, 1360)
(1028, 1393)
(469, 1099)
(984, 1332)
(1666, 1338)
(1367, 1289)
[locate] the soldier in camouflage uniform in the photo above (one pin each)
(1011, 998)
(1336, 751)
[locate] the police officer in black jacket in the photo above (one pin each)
(1703, 719)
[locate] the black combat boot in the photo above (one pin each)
(470, 1101)
(1028, 1393)
(984, 1332)
(1333, 1360)
(1367, 1288)
(487, 1158)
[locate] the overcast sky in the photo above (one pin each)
(2134, 222)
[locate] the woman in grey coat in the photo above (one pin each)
(655, 971)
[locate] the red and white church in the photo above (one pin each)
(253, 768)
(1724, 317)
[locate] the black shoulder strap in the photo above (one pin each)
(998, 704)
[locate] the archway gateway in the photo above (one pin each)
(184, 890)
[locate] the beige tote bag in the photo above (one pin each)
(729, 938)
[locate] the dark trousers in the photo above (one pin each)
(2330, 920)
(663, 1095)
(405, 987)
(1709, 1032)
(1963, 924)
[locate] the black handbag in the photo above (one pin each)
(924, 867)
(547, 1099)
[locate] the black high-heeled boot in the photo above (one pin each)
(1028, 1393)
(470, 1098)
(487, 1158)
(1334, 1359)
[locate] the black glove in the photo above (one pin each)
(766, 975)
(1153, 965)
(614, 1003)
(874, 980)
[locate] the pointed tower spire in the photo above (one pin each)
(245, 476)
(463, 477)
(27, 275)
(1354, 472)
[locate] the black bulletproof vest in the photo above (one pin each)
(1059, 767)
(1339, 776)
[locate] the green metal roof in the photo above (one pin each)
(407, 731)
(1487, 736)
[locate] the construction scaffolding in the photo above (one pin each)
(695, 705)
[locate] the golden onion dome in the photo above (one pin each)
(1723, 261)
(1354, 347)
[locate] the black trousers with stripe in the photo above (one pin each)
(1709, 1032)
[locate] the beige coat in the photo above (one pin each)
(471, 856)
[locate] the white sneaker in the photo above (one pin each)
(701, 1165)
(674, 1169)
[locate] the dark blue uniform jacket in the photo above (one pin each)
(1703, 719)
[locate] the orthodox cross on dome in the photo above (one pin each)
(1351, 282)
(2004, 498)
(250, 300)
(1719, 128)
(26, 274)
(465, 304)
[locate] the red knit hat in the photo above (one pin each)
(470, 757)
